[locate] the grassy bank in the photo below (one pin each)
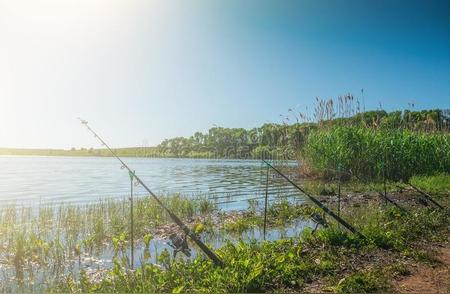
(330, 259)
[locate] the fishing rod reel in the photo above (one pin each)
(179, 244)
(319, 220)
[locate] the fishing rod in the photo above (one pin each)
(383, 196)
(217, 261)
(426, 195)
(317, 202)
(392, 202)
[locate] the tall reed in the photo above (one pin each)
(366, 152)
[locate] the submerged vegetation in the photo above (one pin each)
(40, 243)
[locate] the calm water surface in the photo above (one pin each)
(33, 180)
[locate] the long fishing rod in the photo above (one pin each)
(426, 195)
(383, 196)
(217, 261)
(317, 202)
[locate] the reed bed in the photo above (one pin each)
(374, 154)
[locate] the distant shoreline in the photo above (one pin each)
(126, 152)
(104, 154)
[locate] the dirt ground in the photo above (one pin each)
(428, 278)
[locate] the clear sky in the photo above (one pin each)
(142, 71)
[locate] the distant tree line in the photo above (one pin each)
(284, 140)
(281, 139)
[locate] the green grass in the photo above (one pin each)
(279, 214)
(291, 264)
(363, 282)
(436, 185)
(368, 153)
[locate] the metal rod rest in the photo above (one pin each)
(132, 219)
(387, 199)
(265, 202)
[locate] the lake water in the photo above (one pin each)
(34, 180)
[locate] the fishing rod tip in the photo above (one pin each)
(84, 122)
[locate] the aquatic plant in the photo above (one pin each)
(289, 264)
(62, 238)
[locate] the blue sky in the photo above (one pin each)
(142, 71)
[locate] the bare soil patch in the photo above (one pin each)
(426, 278)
